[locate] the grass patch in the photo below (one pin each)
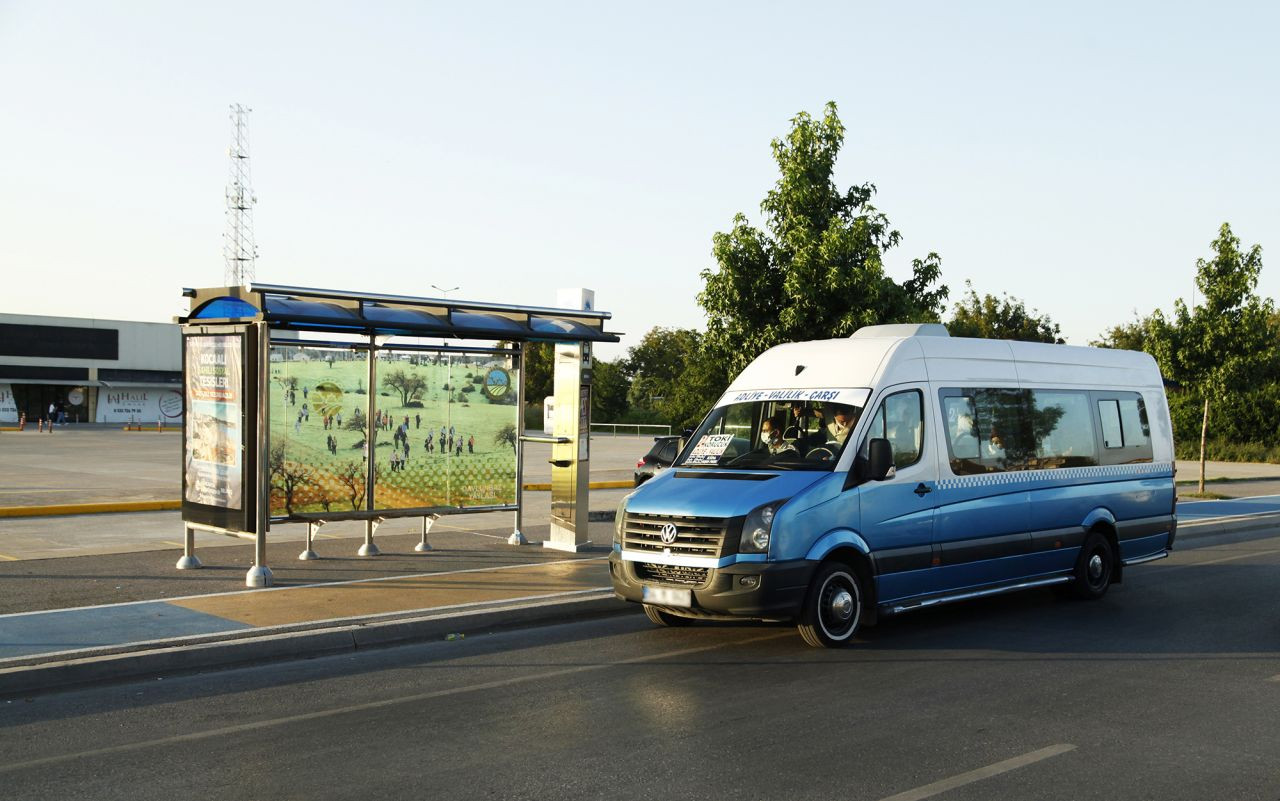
(1204, 496)
(1222, 451)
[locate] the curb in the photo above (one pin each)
(188, 654)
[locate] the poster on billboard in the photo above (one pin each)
(139, 405)
(444, 430)
(8, 406)
(214, 455)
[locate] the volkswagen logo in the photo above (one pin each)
(668, 533)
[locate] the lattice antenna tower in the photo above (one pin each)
(238, 248)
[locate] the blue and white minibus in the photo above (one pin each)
(841, 480)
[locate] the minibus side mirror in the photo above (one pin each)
(879, 459)
(684, 439)
(876, 466)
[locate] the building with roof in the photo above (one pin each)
(103, 371)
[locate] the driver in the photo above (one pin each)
(771, 436)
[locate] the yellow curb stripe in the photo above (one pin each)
(88, 508)
(6, 557)
(157, 506)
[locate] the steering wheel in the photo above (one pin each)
(822, 453)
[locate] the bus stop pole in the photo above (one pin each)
(517, 535)
(370, 442)
(260, 575)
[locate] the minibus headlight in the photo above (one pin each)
(757, 528)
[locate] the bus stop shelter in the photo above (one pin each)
(313, 405)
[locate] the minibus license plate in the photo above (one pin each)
(665, 596)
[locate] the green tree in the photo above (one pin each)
(1222, 352)
(608, 391)
(816, 270)
(1005, 317)
(657, 363)
(408, 385)
(539, 359)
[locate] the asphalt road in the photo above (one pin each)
(1168, 688)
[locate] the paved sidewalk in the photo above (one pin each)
(55, 606)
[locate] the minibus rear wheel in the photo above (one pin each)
(1095, 568)
(661, 618)
(833, 607)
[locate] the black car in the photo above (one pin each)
(659, 458)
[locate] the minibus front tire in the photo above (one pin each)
(661, 618)
(832, 608)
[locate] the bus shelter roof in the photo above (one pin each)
(293, 308)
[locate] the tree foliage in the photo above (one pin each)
(1005, 317)
(409, 385)
(1222, 350)
(816, 269)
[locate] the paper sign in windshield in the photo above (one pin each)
(709, 449)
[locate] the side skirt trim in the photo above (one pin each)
(924, 603)
(1142, 560)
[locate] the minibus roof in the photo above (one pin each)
(886, 355)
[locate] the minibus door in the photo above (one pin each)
(897, 512)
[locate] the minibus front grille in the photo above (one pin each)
(695, 536)
(672, 574)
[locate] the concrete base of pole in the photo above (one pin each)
(191, 562)
(368, 549)
(308, 555)
(258, 576)
(517, 538)
(423, 547)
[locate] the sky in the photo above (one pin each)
(1078, 157)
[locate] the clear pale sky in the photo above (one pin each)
(1079, 157)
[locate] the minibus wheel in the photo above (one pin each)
(661, 618)
(1094, 568)
(833, 607)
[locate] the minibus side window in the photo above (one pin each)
(962, 431)
(1063, 429)
(1109, 411)
(1133, 423)
(988, 429)
(900, 419)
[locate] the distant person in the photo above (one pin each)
(841, 424)
(417, 421)
(471, 444)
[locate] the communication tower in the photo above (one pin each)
(238, 247)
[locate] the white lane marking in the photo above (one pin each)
(317, 584)
(930, 790)
(1231, 558)
(1275, 678)
(388, 702)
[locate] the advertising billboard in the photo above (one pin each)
(443, 430)
(214, 442)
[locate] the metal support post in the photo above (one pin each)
(427, 522)
(369, 549)
(260, 575)
(371, 443)
(313, 528)
(189, 560)
(517, 534)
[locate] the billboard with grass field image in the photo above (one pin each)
(443, 426)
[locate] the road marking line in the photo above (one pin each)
(171, 542)
(930, 790)
(6, 557)
(387, 702)
(1232, 558)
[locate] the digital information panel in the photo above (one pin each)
(444, 430)
(214, 442)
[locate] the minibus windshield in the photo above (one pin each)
(776, 434)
